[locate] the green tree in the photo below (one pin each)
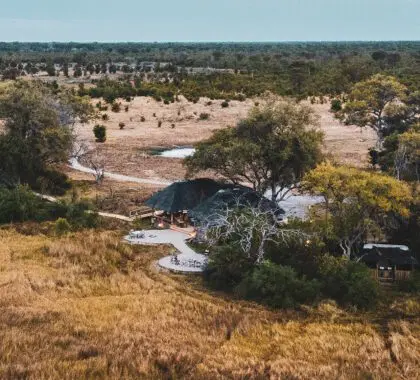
(357, 202)
(370, 102)
(100, 133)
(38, 130)
(272, 149)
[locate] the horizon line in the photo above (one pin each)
(202, 41)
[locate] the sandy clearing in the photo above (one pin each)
(126, 149)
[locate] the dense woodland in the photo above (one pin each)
(222, 69)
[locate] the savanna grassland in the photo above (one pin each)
(87, 305)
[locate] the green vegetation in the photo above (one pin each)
(38, 134)
(20, 204)
(100, 133)
(237, 70)
(272, 149)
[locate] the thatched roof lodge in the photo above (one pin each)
(198, 199)
(185, 195)
(238, 196)
(389, 262)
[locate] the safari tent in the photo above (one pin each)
(389, 263)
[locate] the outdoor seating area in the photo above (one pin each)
(185, 260)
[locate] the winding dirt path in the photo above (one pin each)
(76, 165)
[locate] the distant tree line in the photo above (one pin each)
(295, 69)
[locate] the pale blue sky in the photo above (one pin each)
(209, 20)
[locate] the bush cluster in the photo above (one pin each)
(289, 282)
(20, 204)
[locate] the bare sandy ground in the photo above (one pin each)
(126, 150)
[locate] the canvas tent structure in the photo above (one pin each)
(180, 197)
(388, 262)
(234, 196)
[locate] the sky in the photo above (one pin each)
(209, 20)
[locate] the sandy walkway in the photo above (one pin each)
(187, 260)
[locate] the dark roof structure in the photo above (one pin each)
(232, 197)
(388, 256)
(184, 195)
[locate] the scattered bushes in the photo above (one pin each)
(204, 116)
(116, 107)
(336, 105)
(100, 133)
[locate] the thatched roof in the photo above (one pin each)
(232, 197)
(388, 255)
(184, 195)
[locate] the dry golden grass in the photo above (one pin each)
(89, 306)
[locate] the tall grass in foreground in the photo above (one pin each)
(89, 306)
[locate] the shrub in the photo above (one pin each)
(126, 108)
(121, 125)
(412, 285)
(209, 103)
(204, 116)
(336, 105)
(166, 101)
(105, 117)
(116, 107)
(52, 182)
(159, 123)
(142, 119)
(19, 204)
(227, 267)
(172, 126)
(61, 226)
(225, 104)
(100, 133)
(348, 282)
(278, 286)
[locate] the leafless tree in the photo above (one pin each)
(96, 162)
(252, 228)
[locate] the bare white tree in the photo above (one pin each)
(96, 161)
(252, 228)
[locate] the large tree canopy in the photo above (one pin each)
(357, 202)
(374, 100)
(271, 149)
(37, 130)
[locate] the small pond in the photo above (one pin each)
(179, 152)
